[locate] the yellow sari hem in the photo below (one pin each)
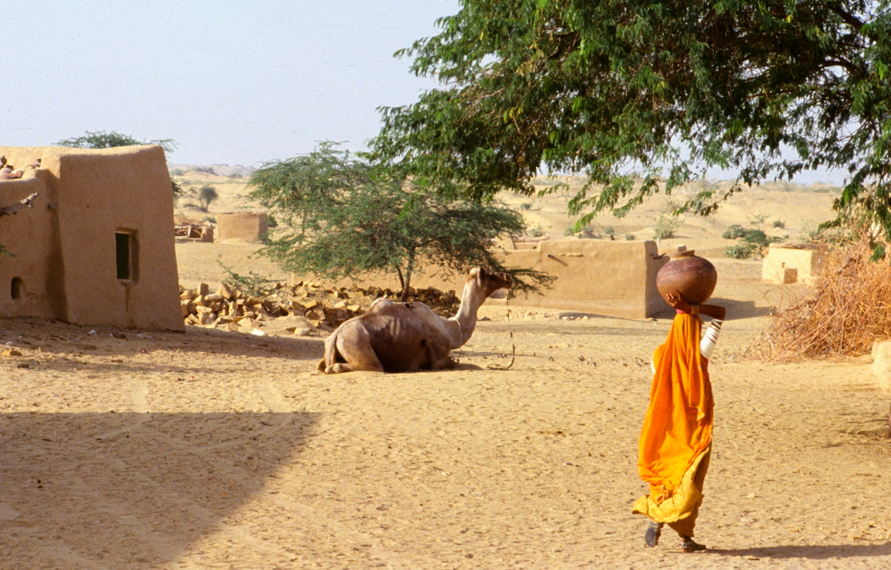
(683, 503)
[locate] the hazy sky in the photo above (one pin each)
(235, 82)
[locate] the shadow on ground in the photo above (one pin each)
(812, 552)
(107, 490)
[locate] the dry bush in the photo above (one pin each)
(848, 310)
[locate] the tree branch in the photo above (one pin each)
(847, 18)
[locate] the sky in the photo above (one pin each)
(232, 82)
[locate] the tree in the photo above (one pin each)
(639, 93)
(101, 139)
(341, 217)
(206, 195)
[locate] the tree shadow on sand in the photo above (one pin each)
(108, 490)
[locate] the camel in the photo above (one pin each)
(407, 337)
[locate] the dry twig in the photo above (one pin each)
(848, 310)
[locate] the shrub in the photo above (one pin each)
(536, 231)
(665, 227)
(756, 237)
(253, 284)
(735, 231)
(742, 250)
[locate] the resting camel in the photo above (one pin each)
(407, 337)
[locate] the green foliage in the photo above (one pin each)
(780, 224)
(665, 227)
(609, 230)
(752, 242)
(341, 217)
(253, 284)
(206, 195)
(630, 237)
(757, 237)
(177, 188)
(101, 139)
(643, 96)
(735, 231)
(758, 218)
(742, 250)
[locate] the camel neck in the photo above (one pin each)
(471, 300)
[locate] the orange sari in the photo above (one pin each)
(675, 443)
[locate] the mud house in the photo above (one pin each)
(787, 264)
(97, 247)
(245, 226)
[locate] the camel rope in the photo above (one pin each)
(513, 345)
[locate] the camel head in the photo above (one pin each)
(489, 281)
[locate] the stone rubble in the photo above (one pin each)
(304, 308)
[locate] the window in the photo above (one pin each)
(124, 253)
(16, 288)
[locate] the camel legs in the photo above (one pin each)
(353, 345)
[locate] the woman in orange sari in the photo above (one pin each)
(675, 443)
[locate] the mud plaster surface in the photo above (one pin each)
(135, 450)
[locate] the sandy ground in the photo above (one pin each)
(130, 449)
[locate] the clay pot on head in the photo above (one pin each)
(693, 276)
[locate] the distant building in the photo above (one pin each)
(98, 245)
(243, 226)
(788, 264)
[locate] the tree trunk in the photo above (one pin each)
(404, 296)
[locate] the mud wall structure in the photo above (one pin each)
(245, 226)
(789, 264)
(609, 278)
(97, 247)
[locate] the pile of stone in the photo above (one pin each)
(195, 232)
(300, 309)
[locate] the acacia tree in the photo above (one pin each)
(101, 139)
(631, 92)
(341, 217)
(206, 195)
